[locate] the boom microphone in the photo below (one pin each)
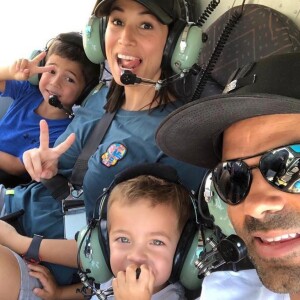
(231, 249)
(53, 100)
(128, 77)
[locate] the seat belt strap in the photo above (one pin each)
(90, 147)
(58, 185)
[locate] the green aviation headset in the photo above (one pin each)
(93, 244)
(217, 208)
(182, 49)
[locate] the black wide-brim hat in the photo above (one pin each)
(194, 132)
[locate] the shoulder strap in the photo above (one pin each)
(90, 147)
(58, 185)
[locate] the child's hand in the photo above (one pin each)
(24, 68)
(42, 162)
(50, 290)
(127, 286)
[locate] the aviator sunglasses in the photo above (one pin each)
(280, 167)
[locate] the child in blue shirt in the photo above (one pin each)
(66, 73)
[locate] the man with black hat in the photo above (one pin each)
(136, 37)
(254, 130)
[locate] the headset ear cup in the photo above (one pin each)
(185, 256)
(36, 78)
(93, 39)
(92, 257)
(187, 49)
(175, 31)
(189, 273)
(103, 240)
(218, 208)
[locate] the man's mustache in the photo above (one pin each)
(274, 221)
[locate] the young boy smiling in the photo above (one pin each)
(146, 217)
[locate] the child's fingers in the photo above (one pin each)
(115, 283)
(65, 145)
(33, 159)
(144, 272)
(131, 273)
(44, 69)
(38, 275)
(46, 279)
(44, 294)
(23, 65)
(39, 268)
(41, 276)
(38, 58)
(17, 64)
(44, 140)
(37, 67)
(151, 280)
(44, 135)
(32, 163)
(41, 293)
(120, 278)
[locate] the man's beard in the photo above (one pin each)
(280, 275)
(276, 275)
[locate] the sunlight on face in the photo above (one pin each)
(268, 220)
(134, 40)
(66, 80)
(143, 234)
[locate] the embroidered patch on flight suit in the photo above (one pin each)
(113, 154)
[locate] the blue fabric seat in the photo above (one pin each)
(6, 179)
(4, 104)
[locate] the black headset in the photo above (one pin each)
(181, 52)
(72, 38)
(93, 244)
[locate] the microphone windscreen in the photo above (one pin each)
(53, 100)
(128, 78)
